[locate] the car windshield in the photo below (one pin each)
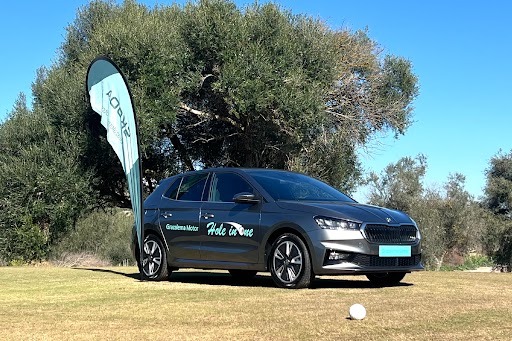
(294, 186)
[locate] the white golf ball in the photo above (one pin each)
(357, 312)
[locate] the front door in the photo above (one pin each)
(230, 231)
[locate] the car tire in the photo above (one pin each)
(242, 275)
(386, 279)
(289, 262)
(154, 265)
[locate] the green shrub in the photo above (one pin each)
(470, 263)
(504, 253)
(26, 242)
(105, 234)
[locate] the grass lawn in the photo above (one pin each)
(49, 303)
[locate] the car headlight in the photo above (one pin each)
(337, 224)
(418, 234)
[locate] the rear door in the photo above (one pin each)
(230, 231)
(179, 217)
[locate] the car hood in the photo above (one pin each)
(352, 211)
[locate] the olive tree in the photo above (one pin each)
(213, 85)
(498, 199)
(451, 222)
(43, 188)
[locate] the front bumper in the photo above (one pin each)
(357, 255)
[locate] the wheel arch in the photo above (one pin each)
(148, 230)
(280, 230)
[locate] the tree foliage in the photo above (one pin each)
(218, 86)
(213, 85)
(498, 190)
(400, 185)
(451, 222)
(43, 187)
(498, 199)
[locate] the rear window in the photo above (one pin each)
(172, 192)
(192, 187)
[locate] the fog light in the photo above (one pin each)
(336, 255)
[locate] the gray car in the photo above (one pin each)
(292, 225)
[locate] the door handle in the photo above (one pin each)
(166, 214)
(208, 215)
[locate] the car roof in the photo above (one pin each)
(233, 169)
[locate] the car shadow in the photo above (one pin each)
(260, 280)
(343, 283)
(135, 275)
(219, 278)
(265, 280)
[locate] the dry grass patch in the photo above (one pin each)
(111, 303)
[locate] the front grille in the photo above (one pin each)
(369, 260)
(390, 234)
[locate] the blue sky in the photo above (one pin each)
(461, 52)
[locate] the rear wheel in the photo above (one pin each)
(154, 260)
(386, 279)
(289, 262)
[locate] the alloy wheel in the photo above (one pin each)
(152, 260)
(287, 261)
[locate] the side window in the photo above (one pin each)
(173, 190)
(226, 185)
(192, 187)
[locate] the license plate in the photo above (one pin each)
(394, 251)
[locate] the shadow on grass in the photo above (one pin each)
(219, 278)
(260, 280)
(135, 275)
(265, 280)
(359, 282)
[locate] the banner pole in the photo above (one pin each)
(110, 97)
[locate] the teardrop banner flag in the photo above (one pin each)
(111, 98)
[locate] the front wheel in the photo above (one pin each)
(386, 279)
(154, 260)
(289, 262)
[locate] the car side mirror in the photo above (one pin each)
(246, 198)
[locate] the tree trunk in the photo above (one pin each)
(175, 140)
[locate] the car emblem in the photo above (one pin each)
(388, 220)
